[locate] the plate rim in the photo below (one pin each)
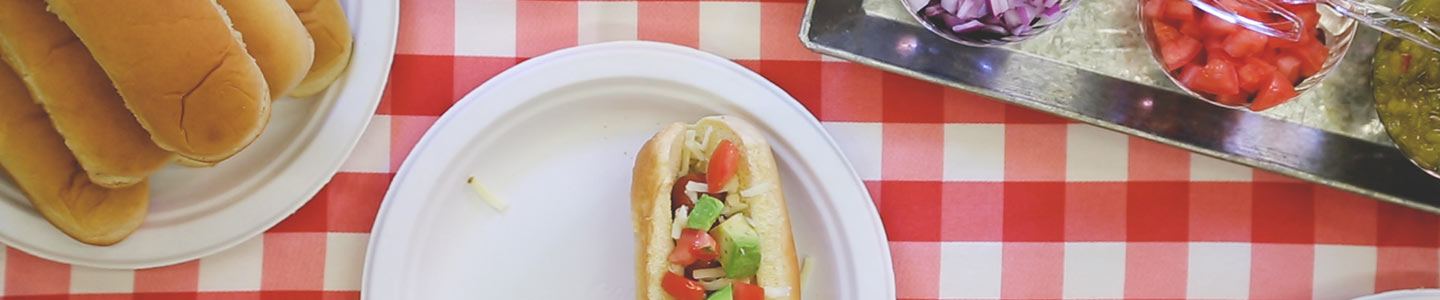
(331, 162)
(451, 115)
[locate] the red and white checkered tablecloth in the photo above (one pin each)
(980, 199)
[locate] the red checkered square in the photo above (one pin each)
(1032, 270)
(470, 72)
(849, 94)
(1220, 211)
(310, 218)
(1034, 211)
(29, 275)
(181, 278)
(1405, 268)
(972, 211)
(1095, 211)
(967, 107)
(544, 26)
(1158, 211)
(913, 152)
(421, 85)
(1156, 270)
(285, 295)
(428, 28)
(1283, 213)
(112, 297)
(909, 210)
(1279, 271)
(917, 271)
(229, 296)
(873, 187)
(1344, 218)
(405, 131)
(1267, 176)
(1407, 227)
(1015, 114)
(293, 262)
(1035, 152)
(1151, 161)
(797, 78)
(779, 23)
(909, 100)
(675, 22)
(353, 200)
(340, 295)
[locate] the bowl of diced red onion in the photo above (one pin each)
(988, 22)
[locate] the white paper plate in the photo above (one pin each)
(197, 212)
(556, 138)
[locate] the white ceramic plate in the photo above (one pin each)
(197, 212)
(556, 138)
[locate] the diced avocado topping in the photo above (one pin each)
(706, 211)
(739, 247)
(726, 293)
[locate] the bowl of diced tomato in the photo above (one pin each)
(1236, 67)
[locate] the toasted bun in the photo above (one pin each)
(325, 20)
(181, 69)
(34, 155)
(276, 38)
(658, 165)
(60, 74)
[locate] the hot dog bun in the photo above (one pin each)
(60, 74)
(325, 20)
(181, 68)
(276, 39)
(34, 155)
(660, 162)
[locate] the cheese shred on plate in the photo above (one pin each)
(485, 194)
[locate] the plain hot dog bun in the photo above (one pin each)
(181, 68)
(34, 155)
(277, 40)
(659, 164)
(325, 20)
(60, 74)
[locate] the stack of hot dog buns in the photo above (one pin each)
(95, 96)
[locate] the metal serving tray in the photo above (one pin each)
(1095, 68)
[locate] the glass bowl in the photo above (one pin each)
(993, 36)
(1339, 33)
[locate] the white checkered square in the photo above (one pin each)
(1095, 154)
(236, 269)
(372, 152)
(85, 280)
(730, 29)
(861, 143)
(344, 260)
(974, 152)
(1205, 168)
(970, 270)
(1094, 270)
(1344, 272)
(1219, 271)
(606, 21)
(485, 28)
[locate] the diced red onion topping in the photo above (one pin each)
(990, 18)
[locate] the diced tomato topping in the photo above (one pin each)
(1179, 52)
(1164, 33)
(1232, 100)
(1244, 43)
(1218, 77)
(693, 245)
(1255, 74)
(1279, 91)
(1188, 74)
(1289, 66)
(678, 197)
(746, 291)
(722, 165)
(1179, 11)
(1193, 29)
(1154, 9)
(1245, 10)
(681, 288)
(1312, 57)
(1214, 26)
(1309, 17)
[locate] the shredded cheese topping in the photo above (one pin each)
(485, 194)
(682, 215)
(757, 189)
